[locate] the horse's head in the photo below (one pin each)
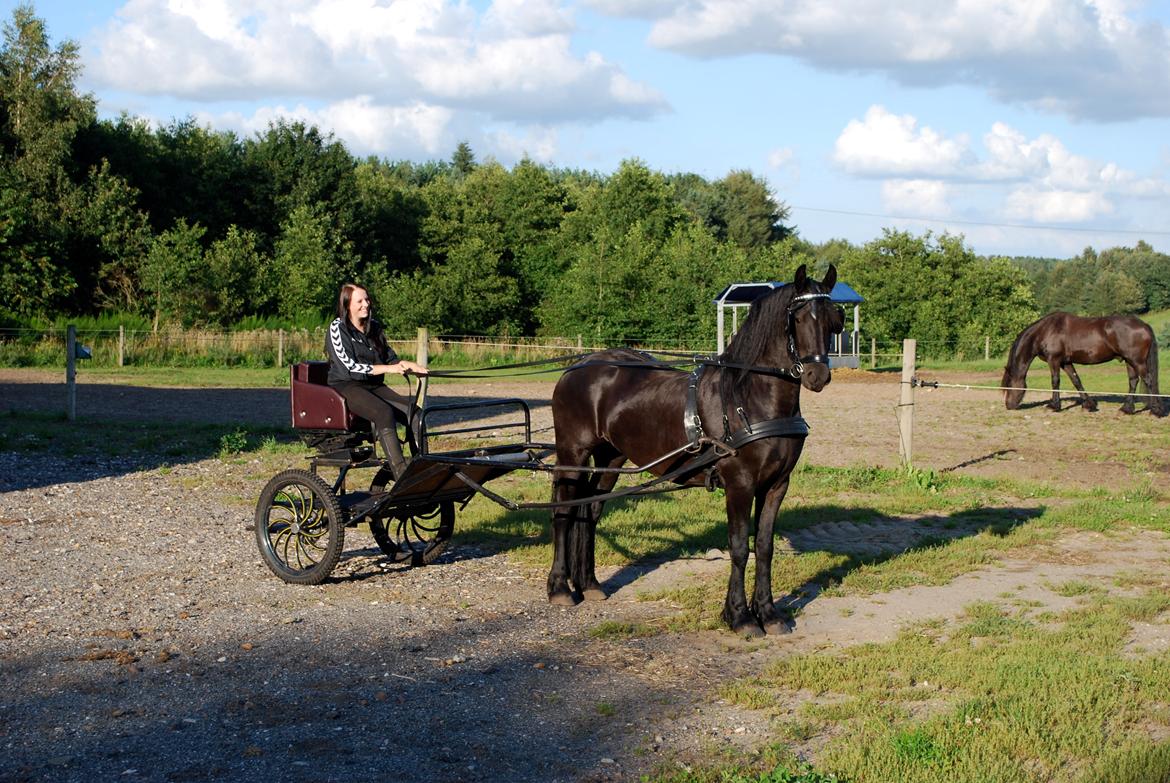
(1013, 384)
(812, 317)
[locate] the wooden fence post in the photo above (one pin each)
(986, 348)
(121, 345)
(71, 372)
(906, 403)
(280, 347)
(422, 356)
(872, 352)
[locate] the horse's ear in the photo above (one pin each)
(830, 278)
(801, 276)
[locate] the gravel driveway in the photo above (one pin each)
(142, 639)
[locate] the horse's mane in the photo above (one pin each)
(767, 317)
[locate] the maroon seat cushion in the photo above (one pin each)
(316, 405)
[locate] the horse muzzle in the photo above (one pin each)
(815, 375)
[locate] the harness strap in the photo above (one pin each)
(787, 427)
(692, 422)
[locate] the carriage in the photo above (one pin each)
(301, 518)
(614, 407)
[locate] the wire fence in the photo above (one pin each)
(281, 347)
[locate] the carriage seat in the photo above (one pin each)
(316, 405)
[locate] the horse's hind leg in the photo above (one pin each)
(1087, 402)
(1134, 374)
(566, 486)
(767, 507)
(1054, 369)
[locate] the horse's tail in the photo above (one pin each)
(1157, 404)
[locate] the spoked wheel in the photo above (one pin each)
(299, 527)
(418, 535)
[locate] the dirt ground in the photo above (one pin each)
(143, 639)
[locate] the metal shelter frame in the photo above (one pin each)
(740, 295)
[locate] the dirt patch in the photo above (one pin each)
(143, 639)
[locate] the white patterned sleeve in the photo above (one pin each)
(339, 353)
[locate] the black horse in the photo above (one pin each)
(1063, 339)
(614, 406)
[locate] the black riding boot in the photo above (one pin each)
(393, 449)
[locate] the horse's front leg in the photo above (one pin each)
(582, 565)
(767, 507)
(1087, 402)
(1130, 405)
(1054, 370)
(735, 609)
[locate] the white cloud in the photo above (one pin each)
(514, 62)
(885, 144)
(919, 168)
(1046, 161)
(918, 197)
(415, 130)
(1056, 206)
(538, 144)
(1086, 58)
(780, 158)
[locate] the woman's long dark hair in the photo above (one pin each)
(343, 299)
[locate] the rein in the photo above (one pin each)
(792, 373)
(685, 360)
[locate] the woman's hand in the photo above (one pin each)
(401, 367)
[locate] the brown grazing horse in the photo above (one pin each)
(616, 406)
(1063, 339)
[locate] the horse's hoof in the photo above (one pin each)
(1129, 411)
(776, 628)
(749, 631)
(594, 594)
(561, 599)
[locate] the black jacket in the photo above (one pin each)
(352, 352)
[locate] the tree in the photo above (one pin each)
(171, 273)
(749, 213)
(310, 262)
(240, 275)
(30, 282)
(113, 233)
(40, 114)
(463, 160)
(293, 166)
(390, 211)
(938, 292)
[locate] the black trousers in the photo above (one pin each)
(377, 403)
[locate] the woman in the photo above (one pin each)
(359, 358)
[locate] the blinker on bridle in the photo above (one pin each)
(798, 362)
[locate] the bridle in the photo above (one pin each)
(798, 362)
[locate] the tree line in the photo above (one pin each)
(186, 225)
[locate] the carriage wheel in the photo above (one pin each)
(419, 536)
(299, 527)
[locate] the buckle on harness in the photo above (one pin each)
(747, 425)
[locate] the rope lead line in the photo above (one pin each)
(939, 385)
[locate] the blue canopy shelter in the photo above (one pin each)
(740, 295)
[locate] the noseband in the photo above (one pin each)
(798, 362)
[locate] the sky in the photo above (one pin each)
(1031, 128)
